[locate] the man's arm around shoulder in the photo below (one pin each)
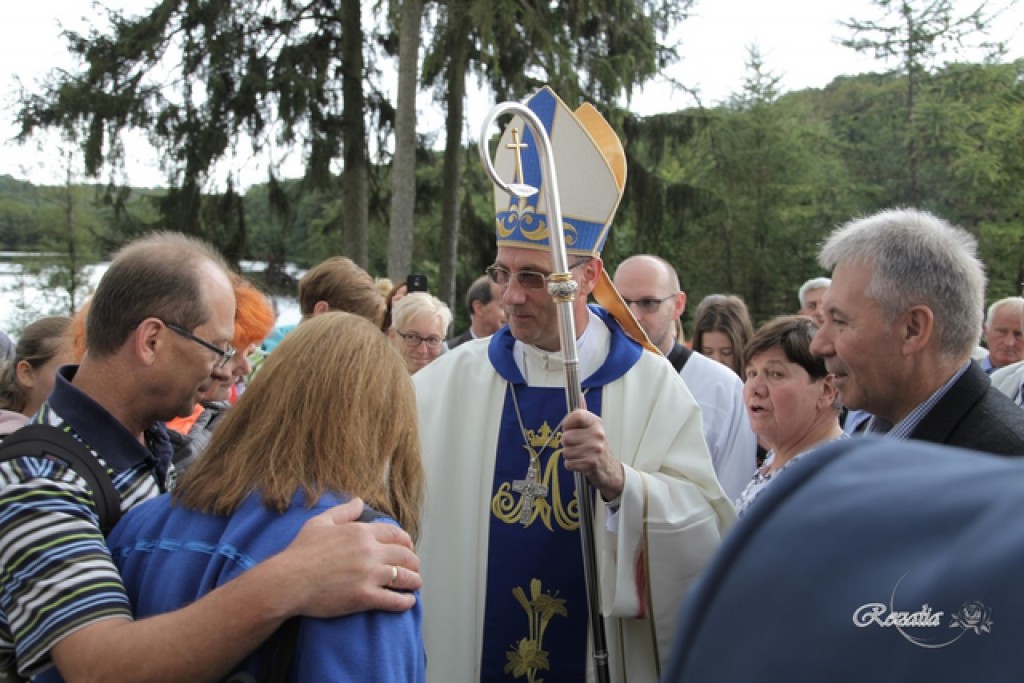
(330, 569)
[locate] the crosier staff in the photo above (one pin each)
(563, 290)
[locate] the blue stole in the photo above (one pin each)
(535, 619)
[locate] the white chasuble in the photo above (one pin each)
(503, 593)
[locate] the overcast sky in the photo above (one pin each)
(797, 40)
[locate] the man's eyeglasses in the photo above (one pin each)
(412, 340)
(647, 304)
(226, 354)
(527, 279)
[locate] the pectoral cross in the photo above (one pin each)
(518, 148)
(529, 489)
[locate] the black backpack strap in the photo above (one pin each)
(42, 440)
(283, 645)
(679, 355)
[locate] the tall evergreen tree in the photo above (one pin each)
(206, 80)
(915, 32)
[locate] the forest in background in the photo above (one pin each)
(738, 197)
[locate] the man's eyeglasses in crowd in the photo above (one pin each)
(647, 304)
(226, 353)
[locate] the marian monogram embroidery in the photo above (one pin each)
(528, 656)
(540, 494)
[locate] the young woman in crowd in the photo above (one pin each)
(27, 378)
(721, 329)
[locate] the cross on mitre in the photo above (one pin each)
(517, 147)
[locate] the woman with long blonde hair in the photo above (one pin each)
(331, 415)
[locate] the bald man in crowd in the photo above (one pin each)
(650, 286)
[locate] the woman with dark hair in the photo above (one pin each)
(27, 378)
(332, 415)
(791, 400)
(721, 329)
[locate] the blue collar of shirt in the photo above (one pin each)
(118, 447)
(905, 427)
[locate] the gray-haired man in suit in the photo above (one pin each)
(901, 318)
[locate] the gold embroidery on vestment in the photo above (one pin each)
(528, 656)
(507, 506)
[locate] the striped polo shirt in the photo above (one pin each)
(56, 574)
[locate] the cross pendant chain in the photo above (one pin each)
(529, 489)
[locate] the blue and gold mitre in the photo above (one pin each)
(591, 168)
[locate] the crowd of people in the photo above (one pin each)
(367, 496)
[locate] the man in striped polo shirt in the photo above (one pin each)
(159, 325)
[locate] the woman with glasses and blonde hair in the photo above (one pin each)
(332, 415)
(419, 324)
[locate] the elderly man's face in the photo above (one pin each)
(858, 345)
(812, 304)
(1005, 336)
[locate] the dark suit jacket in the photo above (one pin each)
(973, 414)
(461, 339)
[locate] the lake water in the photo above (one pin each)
(25, 296)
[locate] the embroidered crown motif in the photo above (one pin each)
(545, 436)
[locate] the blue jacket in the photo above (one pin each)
(869, 560)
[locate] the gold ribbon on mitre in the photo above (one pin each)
(591, 166)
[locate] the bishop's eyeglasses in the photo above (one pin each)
(527, 279)
(226, 353)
